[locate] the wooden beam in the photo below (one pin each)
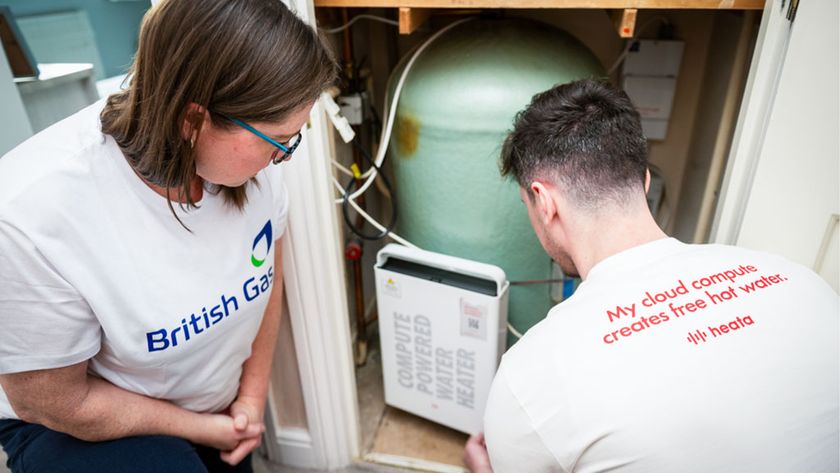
(625, 22)
(558, 4)
(412, 18)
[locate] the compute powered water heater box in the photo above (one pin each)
(442, 325)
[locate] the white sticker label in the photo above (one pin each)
(473, 320)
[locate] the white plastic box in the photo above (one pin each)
(650, 79)
(442, 325)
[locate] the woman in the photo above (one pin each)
(140, 276)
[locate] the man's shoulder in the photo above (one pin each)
(686, 259)
(548, 340)
(712, 256)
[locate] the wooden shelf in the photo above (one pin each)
(611, 4)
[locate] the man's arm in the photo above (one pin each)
(249, 406)
(71, 401)
(512, 442)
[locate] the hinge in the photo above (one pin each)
(792, 7)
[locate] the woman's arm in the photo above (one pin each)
(257, 369)
(249, 406)
(71, 401)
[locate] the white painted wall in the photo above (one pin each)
(14, 123)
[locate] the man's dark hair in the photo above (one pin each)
(585, 136)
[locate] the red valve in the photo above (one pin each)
(353, 250)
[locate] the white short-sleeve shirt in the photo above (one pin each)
(675, 358)
(93, 265)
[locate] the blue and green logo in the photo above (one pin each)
(264, 234)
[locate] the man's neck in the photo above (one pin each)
(594, 238)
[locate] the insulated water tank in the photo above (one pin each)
(456, 107)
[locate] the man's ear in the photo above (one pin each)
(544, 202)
(194, 115)
(647, 180)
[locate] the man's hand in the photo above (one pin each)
(475, 455)
(247, 415)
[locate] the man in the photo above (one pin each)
(669, 357)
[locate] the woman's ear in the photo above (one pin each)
(194, 116)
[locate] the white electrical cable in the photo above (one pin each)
(356, 18)
(385, 137)
(376, 224)
(630, 41)
(513, 331)
(621, 56)
(382, 189)
(343, 169)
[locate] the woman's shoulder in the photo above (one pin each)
(57, 157)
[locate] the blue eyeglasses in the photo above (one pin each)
(276, 157)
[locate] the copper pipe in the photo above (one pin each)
(361, 324)
(348, 44)
(358, 282)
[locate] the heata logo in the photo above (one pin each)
(264, 234)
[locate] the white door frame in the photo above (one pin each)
(756, 107)
(316, 294)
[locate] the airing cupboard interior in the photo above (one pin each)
(688, 159)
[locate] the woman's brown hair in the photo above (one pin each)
(250, 59)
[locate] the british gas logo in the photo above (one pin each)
(224, 306)
(256, 248)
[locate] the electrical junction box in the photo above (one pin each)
(652, 57)
(442, 326)
(649, 77)
(353, 107)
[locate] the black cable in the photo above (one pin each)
(345, 202)
(376, 127)
(535, 281)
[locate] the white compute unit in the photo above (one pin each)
(442, 325)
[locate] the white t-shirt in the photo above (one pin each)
(93, 265)
(674, 357)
